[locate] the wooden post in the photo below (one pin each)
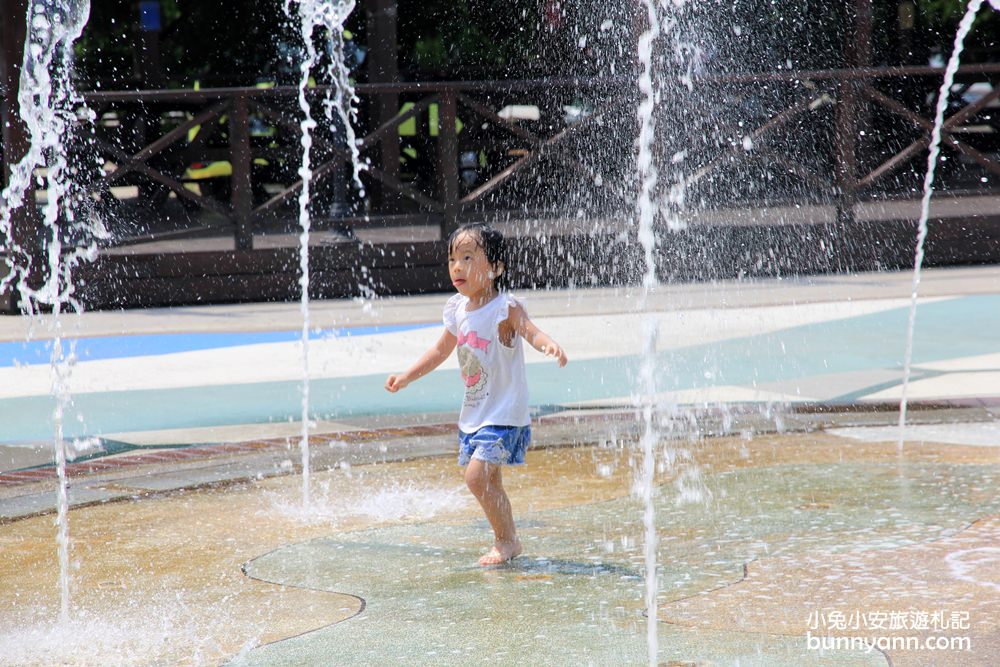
(383, 67)
(25, 223)
(241, 185)
(852, 116)
(447, 158)
(846, 166)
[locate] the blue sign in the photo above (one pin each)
(149, 15)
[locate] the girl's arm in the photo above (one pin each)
(430, 360)
(519, 321)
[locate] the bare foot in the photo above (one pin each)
(501, 553)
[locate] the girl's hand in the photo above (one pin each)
(552, 349)
(430, 360)
(395, 382)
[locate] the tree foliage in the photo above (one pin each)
(244, 41)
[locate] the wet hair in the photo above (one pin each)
(492, 242)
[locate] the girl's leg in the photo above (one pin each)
(486, 483)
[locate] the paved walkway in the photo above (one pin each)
(164, 376)
(827, 338)
(190, 393)
(763, 537)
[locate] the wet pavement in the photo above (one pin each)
(786, 510)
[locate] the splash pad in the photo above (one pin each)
(784, 528)
(748, 520)
(797, 528)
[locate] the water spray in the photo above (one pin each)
(327, 16)
(925, 205)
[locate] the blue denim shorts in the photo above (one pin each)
(500, 445)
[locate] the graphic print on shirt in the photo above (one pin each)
(473, 373)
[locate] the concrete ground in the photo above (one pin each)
(787, 510)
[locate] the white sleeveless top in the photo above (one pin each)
(496, 388)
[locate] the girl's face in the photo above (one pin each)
(471, 272)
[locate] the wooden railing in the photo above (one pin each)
(848, 135)
(162, 142)
(227, 160)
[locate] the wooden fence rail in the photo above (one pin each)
(230, 156)
(251, 137)
(224, 163)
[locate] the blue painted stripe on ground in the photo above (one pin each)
(120, 347)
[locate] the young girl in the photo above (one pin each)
(486, 325)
